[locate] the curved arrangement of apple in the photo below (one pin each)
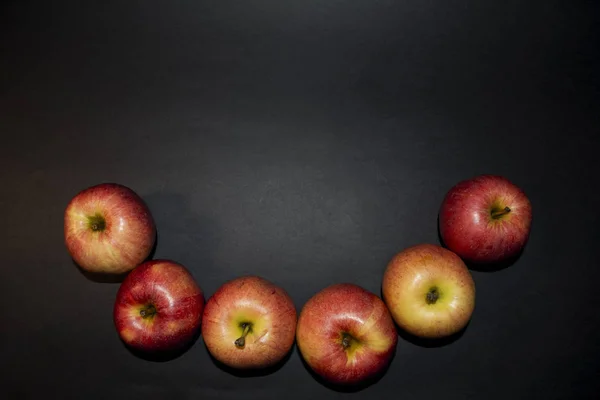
(345, 333)
(158, 307)
(429, 291)
(108, 229)
(249, 323)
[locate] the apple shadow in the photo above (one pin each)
(483, 267)
(429, 342)
(100, 277)
(493, 267)
(251, 372)
(153, 249)
(164, 356)
(348, 388)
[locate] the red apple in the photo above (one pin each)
(485, 219)
(429, 291)
(158, 307)
(346, 334)
(108, 229)
(249, 323)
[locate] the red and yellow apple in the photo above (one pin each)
(249, 323)
(158, 307)
(485, 219)
(346, 334)
(108, 229)
(429, 291)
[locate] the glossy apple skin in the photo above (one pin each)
(346, 309)
(171, 289)
(254, 300)
(127, 238)
(408, 278)
(467, 227)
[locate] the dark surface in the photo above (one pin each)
(306, 142)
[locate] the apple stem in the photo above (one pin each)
(498, 213)
(346, 341)
(148, 311)
(241, 341)
(432, 296)
(97, 223)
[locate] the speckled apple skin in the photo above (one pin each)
(125, 242)
(346, 309)
(408, 278)
(254, 300)
(466, 225)
(178, 300)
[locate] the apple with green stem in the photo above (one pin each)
(249, 323)
(108, 229)
(346, 334)
(485, 219)
(158, 308)
(429, 291)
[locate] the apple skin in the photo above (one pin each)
(267, 309)
(108, 229)
(332, 314)
(468, 228)
(407, 281)
(177, 300)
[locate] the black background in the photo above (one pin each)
(305, 142)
